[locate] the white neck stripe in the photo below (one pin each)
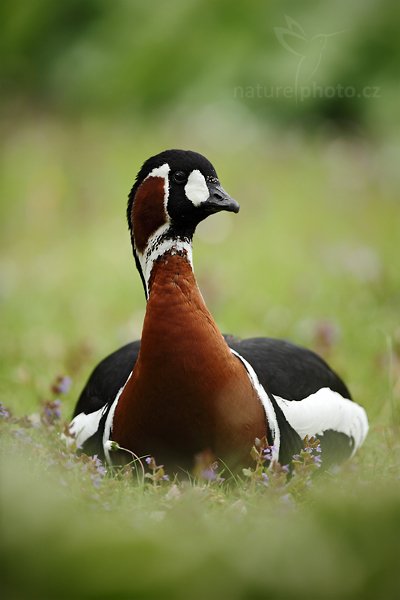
(158, 246)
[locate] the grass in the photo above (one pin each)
(309, 258)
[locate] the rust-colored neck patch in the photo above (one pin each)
(148, 211)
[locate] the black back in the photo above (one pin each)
(283, 369)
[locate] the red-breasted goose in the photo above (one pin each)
(185, 388)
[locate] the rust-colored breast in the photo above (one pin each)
(187, 393)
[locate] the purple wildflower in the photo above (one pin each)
(148, 459)
(209, 474)
(317, 460)
(4, 413)
(61, 385)
(100, 468)
(52, 411)
(268, 453)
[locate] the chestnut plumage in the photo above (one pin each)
(184, 388)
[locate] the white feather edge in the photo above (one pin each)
(267, 405)
(323, 411)
(109, 421)
(83, 426)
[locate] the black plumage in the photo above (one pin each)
(173, 192)
(284, 369)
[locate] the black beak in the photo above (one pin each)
(219, 200)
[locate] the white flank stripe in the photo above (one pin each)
(326, 410)
(109, 421)
(83, 426)
(267, 404)
(196, 189)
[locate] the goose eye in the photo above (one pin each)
(179, 177)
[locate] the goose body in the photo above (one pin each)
(184, 388)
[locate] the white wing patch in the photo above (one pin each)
(267, 405)
(326, 410)
(83, 426)
(196, 189)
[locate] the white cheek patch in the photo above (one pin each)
(196, 189)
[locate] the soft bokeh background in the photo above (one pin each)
(296, 104)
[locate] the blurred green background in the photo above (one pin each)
(296, 104)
